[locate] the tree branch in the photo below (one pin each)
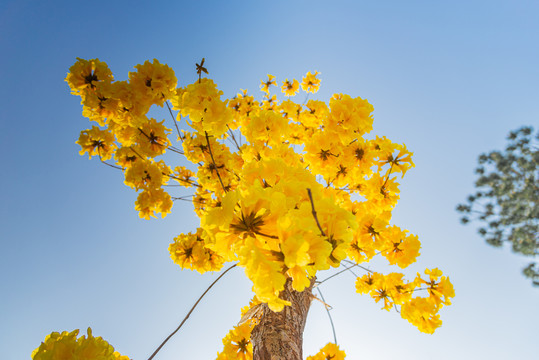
(189, 313)
(314, 212)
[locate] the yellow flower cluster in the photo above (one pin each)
(286, 189)
(127, 135)
(393, 290)
(310, 82)
(330, 351)
(66, 346)
(189, 251)
(237, 344)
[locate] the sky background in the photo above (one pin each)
(448, 79)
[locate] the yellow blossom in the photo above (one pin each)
(422, 313)
(189, 251)
(154, 80)
(264, 85)
(152, 138)
(329, 352)
(290, 88)
(237, 343)
(97, 142)
(152, 201)
(85, 74)
(310, 82)
(66, 346)
(401, 248)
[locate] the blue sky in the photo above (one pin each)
(448, 79)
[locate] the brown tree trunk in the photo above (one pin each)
(279, 335)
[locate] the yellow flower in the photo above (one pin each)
(361, 249)
(97, 142)
(155, 81)
(360, 154)
(152, 201)
(265, 272)
(422, 314)
(101, 105)
(290, 110)
(125, 157)
(152, 138)
(144, 174)
(382, 191)
(201, 102)
(290, 88)
(329, 352)
(367, 283)
(269, 102)
(315, 114)
(439, 287)
(184, 176)
(189, 251)
(57, 346)
(310, 83)
(237, 343)
(401, 248)
(66, 346)
(322, 153)
(264, 85)
(85, 74)
(401, 162)
(267, 127)
(349, 117)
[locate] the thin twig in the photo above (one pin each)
(359, 266)
(233, 137)
(188, 198)
(174, 120)
(266, 235)
(314, 212)
(111, 165)
(192, 183)
(414, 290)
(306, 98)
(338, 273)
(106, 163)
(353, 273)
(388, 174)
(189, 313)
(176, 150)
(329, 314)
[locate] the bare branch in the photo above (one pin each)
(189, 313)
(314, 212)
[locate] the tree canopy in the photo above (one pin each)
(283, 189)
(506, 202)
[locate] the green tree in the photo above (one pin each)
(506, 203)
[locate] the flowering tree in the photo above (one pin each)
(283, 190)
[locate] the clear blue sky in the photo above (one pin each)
(448, 79)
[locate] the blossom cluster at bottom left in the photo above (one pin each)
(66, 346)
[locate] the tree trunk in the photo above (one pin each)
(279, 335)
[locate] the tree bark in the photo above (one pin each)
(279, 335)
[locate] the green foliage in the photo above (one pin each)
(507, 199)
